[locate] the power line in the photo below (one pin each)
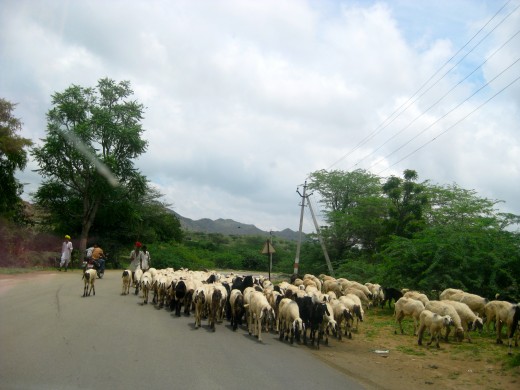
(437, 102)
(455, 124)
(408, 103)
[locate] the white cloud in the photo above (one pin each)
(244, 98)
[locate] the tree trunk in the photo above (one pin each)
(89, 213)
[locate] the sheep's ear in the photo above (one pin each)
(246, 305)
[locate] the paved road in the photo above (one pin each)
(52, 338)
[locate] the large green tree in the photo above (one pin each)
(354, 207)
(13, 156)
(93, 137)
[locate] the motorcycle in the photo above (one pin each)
(98, 265)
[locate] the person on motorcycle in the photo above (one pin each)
(99, 257)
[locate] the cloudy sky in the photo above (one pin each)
(245, 98)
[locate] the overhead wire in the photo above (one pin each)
(455, 124)
(408, 103)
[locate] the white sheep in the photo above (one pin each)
(435, 323)
(354, 307)
(259, 310)
(418, 296)
(137, 278)
(291, 322)
(342, 315)
(89, 277)
(329, 324)
(146, 285)
(469, 320)
(127, 281)
(408, 307)
(502, 312)
(443, 308)
(475, 302)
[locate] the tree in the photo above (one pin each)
(407, 201)
(93, 136)
(13, 156)
(354, 208)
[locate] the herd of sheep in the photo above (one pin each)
(311, 308)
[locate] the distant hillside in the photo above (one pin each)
(229, 227)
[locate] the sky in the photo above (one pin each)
(244, 99)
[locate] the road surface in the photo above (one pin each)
(52, 338)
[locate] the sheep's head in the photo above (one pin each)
(477, 324)
(448, 321)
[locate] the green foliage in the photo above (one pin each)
(209, 251)
(13, 156)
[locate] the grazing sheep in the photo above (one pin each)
(89, 277)
(447, 293)
(354, 307)
(491, 309)
(475, 302)
(435, 323)
(417, 296)
(502, 312)
(390, 294)
(442, 308)
(291, 323)
(512, 324)
(469, 320)
(127, 281)
(408, 307)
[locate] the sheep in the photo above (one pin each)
(475, 302)
(354, 308)
(445, 294)
(408, 307)
(146, 285)
(390, 294)
(435, 323)
(127, 281)
(292, 324)
(442, 308)
(342, 315)
(417, 296)
(377, 293)
(319, 310)
(199, 300)
(214, 307)
(281, 304)
(329, 323)
(360, 294)
(137, 278)
(512, 323)
(259, 310)
(503, 313)
(490, 310)
(469, 320)
(89, 277)
(236, 300)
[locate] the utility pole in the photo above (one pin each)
(299, 244)
(304, 197)
(325, 253)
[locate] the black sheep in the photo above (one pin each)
(390, 294)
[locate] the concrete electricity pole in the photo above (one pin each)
(304, 197)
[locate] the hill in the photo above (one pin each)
(230, 227)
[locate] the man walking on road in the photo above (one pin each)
(66, 253)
